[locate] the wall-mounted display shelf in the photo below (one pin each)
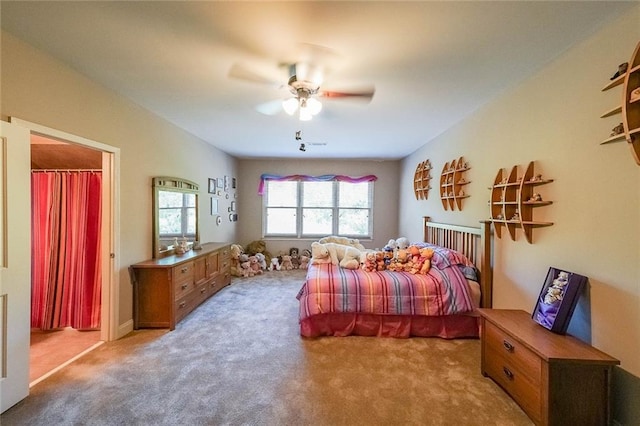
(422, 180)
(453, 183)
(629, 128)
(514, 199)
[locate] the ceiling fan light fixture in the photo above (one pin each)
(314, 106)
(305, 114)
(290, 105)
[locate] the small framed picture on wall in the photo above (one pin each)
(212, 186)
(214, 206)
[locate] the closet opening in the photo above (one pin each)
(66, 272)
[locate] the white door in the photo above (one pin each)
(15, 263)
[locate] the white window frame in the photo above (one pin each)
(299, 212)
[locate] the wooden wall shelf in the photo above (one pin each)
(422, 180)
(452, 184)
(513, 201)
(629, 109)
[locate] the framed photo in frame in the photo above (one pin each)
(220, 183)
(212, 186)
(214, 206)
(558, 298)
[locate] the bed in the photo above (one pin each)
(335, 301)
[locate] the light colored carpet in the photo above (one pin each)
(239, 360)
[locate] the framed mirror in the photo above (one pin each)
(175, 214)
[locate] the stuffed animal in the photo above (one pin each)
(388, 256)
(319, 253)
(261, 261)
(369, 261)
(274, 265)
(347, 257)
(255, 265)
(304, 262)
(286, 264)
(398, 262)
(342, 240)
(380, 266)
(427, 254)
(236, 251)
(402, 243)
(295, 257)
(423, 263)
(258, 246)
(245, 265)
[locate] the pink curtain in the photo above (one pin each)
(65, 250)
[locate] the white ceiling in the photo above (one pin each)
(432, 63)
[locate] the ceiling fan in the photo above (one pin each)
(305, 78)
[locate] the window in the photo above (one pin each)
(300, 208)
(176, 215)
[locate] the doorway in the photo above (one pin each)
(56, 341)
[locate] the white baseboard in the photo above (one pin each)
(124, 329)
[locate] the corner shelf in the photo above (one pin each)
(630, 110)
(452, 184)
(422, 180)
(513, 201)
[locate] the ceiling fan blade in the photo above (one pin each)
(241, 72)
(365, 94)
(270, 108)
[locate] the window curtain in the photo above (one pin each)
(323, 178)
(65, 250)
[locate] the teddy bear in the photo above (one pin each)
(423, 263)
(345, 256)
(255, 265)
(380, 266)
(342, 240)
(236, 250)
(398, 262)
(319, 253)
(338, 254)
(261, 261)
(245, 265)
(402, 243)
(295, 257)
(286, 264)
(304, 262)
(258, 246)
(369, 261)
(274, 265)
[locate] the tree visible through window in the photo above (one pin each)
(298, 208)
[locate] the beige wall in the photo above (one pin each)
(553, 118)
(385, 196)
(39, 89)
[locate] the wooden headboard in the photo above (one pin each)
(475, 243)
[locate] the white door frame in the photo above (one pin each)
(110, 221)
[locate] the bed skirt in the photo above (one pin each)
(401, 326)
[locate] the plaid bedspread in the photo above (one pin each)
(443, 291)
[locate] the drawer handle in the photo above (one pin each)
(202, 290)
(507, 373)
(182, 305)
(508, 346)
(184, 270)
(184, 286)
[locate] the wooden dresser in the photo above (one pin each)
(556, 379)
(165, 290)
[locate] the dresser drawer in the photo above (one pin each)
(183, 273)
(183, 276)
(182, 307)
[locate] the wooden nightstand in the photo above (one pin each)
(556, 379)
